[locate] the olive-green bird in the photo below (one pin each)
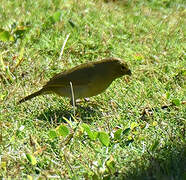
(86, 80)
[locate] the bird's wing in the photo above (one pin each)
(80, 75)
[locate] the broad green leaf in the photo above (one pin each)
(176, 102)
(94, 135)
(86, 128)
(90, 134)
(154, 123)
(29, 177)
(133, 125)
(3, 165)
(5, 36)
(57, 16)
(183, 72)
(168, 95)
(52, 134)
(117, 134)
(31, 158)
(63, 130)
(104, 138)
(110, 163)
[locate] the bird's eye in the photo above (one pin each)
(122, 68)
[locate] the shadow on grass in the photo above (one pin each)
(83, 113)
(167, 164)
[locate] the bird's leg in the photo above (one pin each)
(73, 103)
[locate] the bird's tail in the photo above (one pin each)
(31, 96)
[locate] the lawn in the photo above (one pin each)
(133, 130)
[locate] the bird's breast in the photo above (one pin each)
(81, 91)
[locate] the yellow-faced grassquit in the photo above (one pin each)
(86, 80)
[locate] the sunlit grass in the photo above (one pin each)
(148, 107)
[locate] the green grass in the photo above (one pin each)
(148, 35)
